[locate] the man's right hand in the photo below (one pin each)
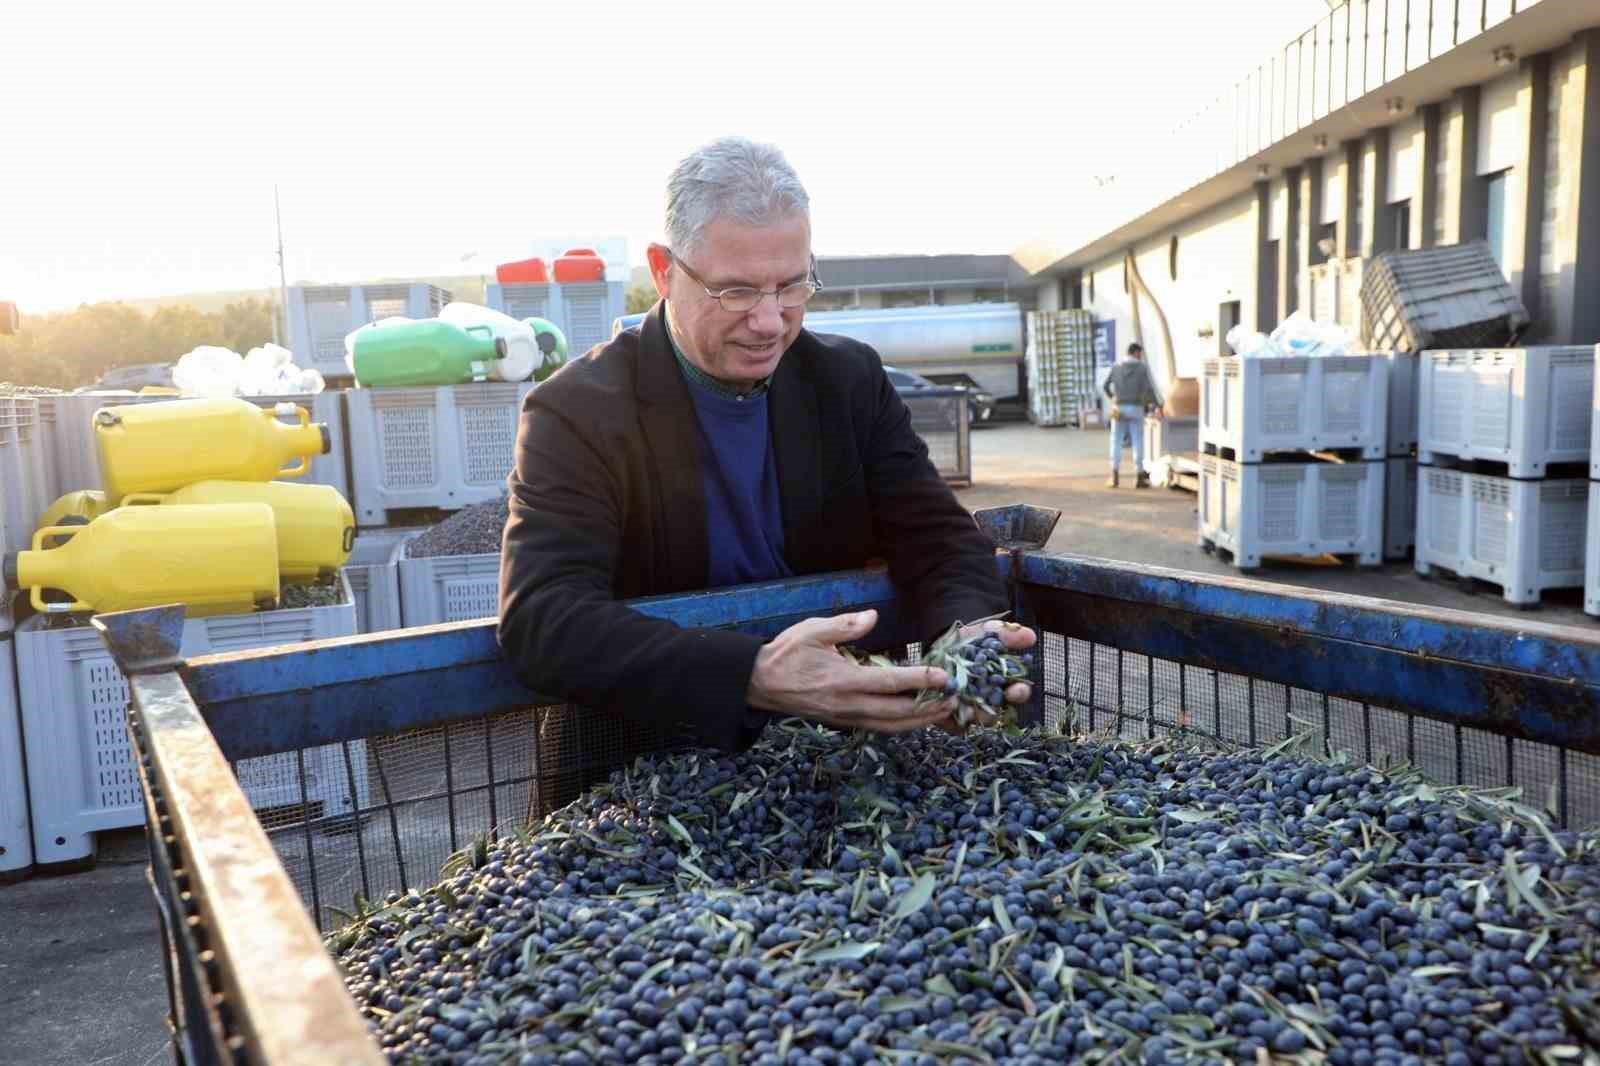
(801, 673)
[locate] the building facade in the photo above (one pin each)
(875, 281)
(1390, 124)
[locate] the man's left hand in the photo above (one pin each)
(1016, 639)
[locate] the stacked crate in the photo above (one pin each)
(83, 775)
(1059, 363)
(320, 316)
(1503, 441)
(582, 311)
(1292, 457)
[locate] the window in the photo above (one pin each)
(911, 298)
(1227, 317)
(1327, 244)
(1495, 227)
(1267, 313)
(1400, 220)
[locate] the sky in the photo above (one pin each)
(142, 141)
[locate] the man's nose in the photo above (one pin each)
(766, 316)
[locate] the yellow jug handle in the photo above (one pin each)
(36, 594)
(305, 463)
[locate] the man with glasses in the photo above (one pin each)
(720, 443)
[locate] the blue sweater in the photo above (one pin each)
(744, 519)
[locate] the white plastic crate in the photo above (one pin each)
(71, 443)
(443, 448)
(1169, 436)
(321, 315)
(450, 588)
(1525, 407)
(1260, 509)
(1400, 507)
(583, 312)
(1591, 566)
(1402, 435)
(1525, 536)
(16, 841)
(77, 463)
(1448, 296)
(1254, 406)
(1594, 425)
(82, 775)
(375, 579)
(24, 488)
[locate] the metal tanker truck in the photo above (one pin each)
(979, 344)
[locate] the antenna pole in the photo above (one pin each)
(283, 280)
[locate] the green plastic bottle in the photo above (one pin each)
(426, 352)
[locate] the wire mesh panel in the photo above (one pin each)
(942, 418)
(1097, 688)
(430, 793)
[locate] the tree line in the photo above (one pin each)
(74, 348)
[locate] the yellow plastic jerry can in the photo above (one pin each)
(316, 528)
(216, 559)
(75, 509)
(161, 447)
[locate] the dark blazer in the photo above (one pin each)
(607, 504)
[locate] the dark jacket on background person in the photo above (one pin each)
(1130, 382)
(607, 503)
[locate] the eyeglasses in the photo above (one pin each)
(743, 299)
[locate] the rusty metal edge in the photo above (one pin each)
(287, 996)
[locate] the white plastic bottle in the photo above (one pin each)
(523, 356)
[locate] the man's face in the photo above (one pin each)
(741, 348)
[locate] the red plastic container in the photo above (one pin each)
(578, 265)
(522, 272)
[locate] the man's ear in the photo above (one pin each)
(660, 262)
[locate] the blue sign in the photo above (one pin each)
(1105, 342)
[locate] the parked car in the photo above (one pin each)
(136, 376)
(980, 404)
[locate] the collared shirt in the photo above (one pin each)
(695, 376)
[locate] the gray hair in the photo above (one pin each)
(753, 183)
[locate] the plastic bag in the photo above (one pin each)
(1299, 335)
(208, 371)
(1246, 342)
(270, 370)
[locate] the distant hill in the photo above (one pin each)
(467, 287)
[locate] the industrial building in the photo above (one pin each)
(1390, 124)
(870, 282)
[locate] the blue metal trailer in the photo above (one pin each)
(457, 747)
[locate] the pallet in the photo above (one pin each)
(1496, 468)
(1474, 586)
(1350, 560)
(1323, 455)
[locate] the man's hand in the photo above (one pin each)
(1016, 639)
(802, 673)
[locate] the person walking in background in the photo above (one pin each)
(1133, 395)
